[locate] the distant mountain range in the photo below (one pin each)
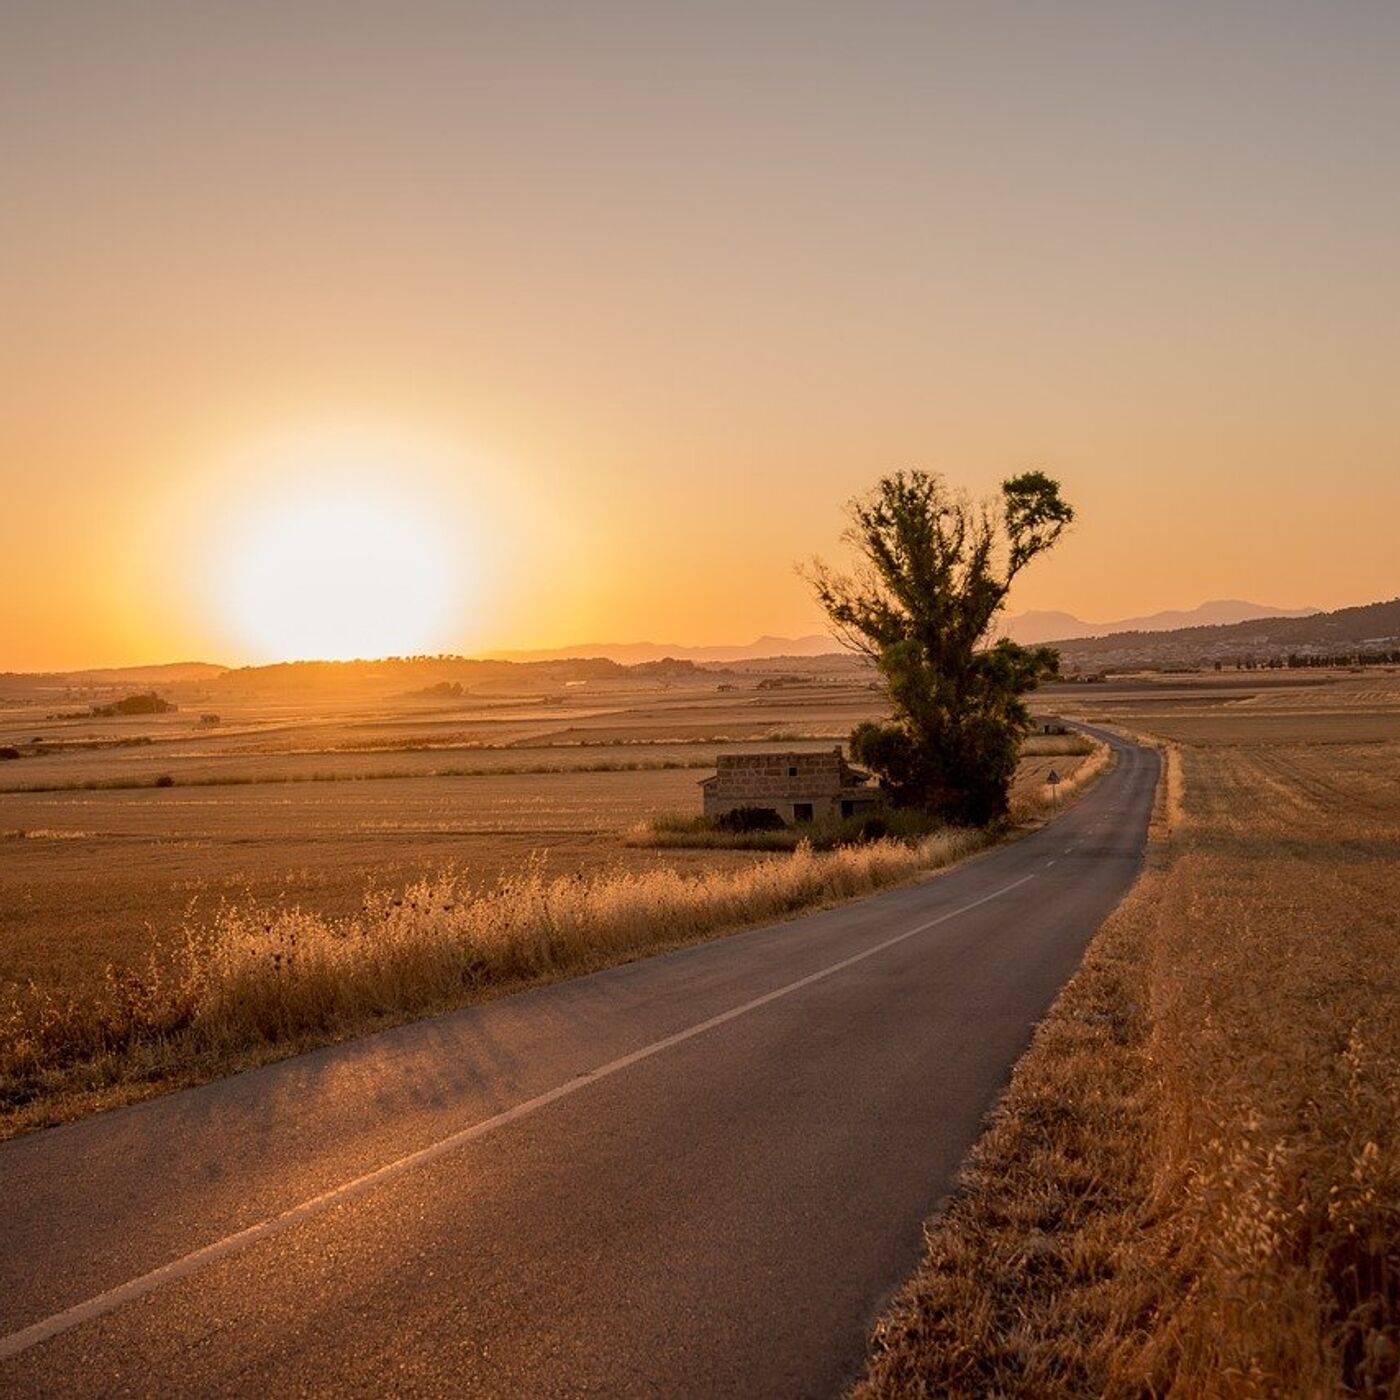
(107, 677)
(1373, 630)
(1032, 628)
(1028, 628)
(1224, 630)
(633, 653)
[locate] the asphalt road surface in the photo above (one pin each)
(700, 1174)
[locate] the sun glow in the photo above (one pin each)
(333, 572)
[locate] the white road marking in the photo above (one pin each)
(102, 1303)
(1049, 863)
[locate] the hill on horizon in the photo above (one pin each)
(631, 653)
(1370, 629)
(1032, 628)
(106, 677)
(1029, 628)
(1145, 641)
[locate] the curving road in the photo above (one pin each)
(701, 1174)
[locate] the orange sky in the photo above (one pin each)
(615, 304)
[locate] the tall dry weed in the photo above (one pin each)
(260, 978)
(1192, 1186)
(1028, 804)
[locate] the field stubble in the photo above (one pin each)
(152, 936)
(1192, 1185)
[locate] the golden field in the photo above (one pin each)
(313, 800)
(1192, 1186)
(179, 898)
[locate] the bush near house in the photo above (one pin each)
(681, 831)
(749, 819)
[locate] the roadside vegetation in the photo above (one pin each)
(1192, 1185)
(693, 831)
(1033, 797)
(260, 983)
(256, 971)
(1057, 745)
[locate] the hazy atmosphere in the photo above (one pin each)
(700, 700)
(602, 310)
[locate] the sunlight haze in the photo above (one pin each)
(699, 698)
(638, 295)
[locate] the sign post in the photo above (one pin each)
(1053, 778)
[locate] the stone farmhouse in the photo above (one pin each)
(799, 787)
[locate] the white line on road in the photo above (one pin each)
(102, 1303)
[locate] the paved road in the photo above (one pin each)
(701, 1174)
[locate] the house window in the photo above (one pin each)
(792, 772)
(802, 811)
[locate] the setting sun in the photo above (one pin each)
(333, 574)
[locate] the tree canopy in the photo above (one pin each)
(934, 571)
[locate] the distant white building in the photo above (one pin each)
(799, 787)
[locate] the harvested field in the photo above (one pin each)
(311, 801)
(92, 878)
(1056, 745)
(1193, 1184)
(299, 813)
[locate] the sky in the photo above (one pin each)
(341, 327)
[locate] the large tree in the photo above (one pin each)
(934, 571)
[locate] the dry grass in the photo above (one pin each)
(274, 808)
(1192, 1186)
(257, 981)
(1033, 797)
(1043, 745)
(119, 883)
(309, 799)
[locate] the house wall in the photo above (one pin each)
(783, 781)
(777, 775)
